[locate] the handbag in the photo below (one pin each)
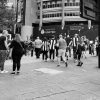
(23, 50)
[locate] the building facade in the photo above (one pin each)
(46, 17)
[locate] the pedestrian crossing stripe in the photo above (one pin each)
(49, 71)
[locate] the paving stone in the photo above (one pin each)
(75, 83)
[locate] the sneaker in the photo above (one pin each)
(75, 60)
(4, 71)
(66, 64)
(81, 63)
(45, 60)
(58, 65)
(18, 72)
(12, 73)
(78, 65)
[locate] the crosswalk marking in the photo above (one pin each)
(49, 71)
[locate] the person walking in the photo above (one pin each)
(75, 40)
(45, 49)
(38, 45)
(52, 49)
(17, 47)
(79, 53)
(3, 50)
(68, 49)
(62, 50)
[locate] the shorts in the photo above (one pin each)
(61, 52)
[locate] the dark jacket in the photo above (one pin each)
(17, 48)
(79, 49)
(2, 45)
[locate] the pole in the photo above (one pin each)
(99, 46)
(24, 12)
(63, 8)
(40, 24)
(98, 10)
(17, 11)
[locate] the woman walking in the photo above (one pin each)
(17, 47)
(79, 53)
(3, 50)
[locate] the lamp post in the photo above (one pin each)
(79, 31)
(63, 10)
(17, 10)
(41, 8)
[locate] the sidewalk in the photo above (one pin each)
(41, 80)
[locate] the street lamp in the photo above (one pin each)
(79, 31)
(17, 11)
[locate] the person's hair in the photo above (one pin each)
(60, 36)
(38, 37)
(18, 38)
(5, 32)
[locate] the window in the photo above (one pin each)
(68, 14)
(65, 14)
(70, 4)
(48, 6)
(77, 4)
(73, 4)
(38, 17)
(71, 14)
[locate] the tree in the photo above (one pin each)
(7, 15)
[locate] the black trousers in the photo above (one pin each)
(79, 56)
(74, 52)
(32, 53)
(16, 62)
(45, 55)
(37, 51)
(52, 53)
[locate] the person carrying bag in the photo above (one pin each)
(17, 47)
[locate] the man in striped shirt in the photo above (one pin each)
(52, 48)
(75, 40)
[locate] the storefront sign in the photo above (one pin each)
(75, 27)
(49, 31)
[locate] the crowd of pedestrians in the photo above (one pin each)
(61, 48)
